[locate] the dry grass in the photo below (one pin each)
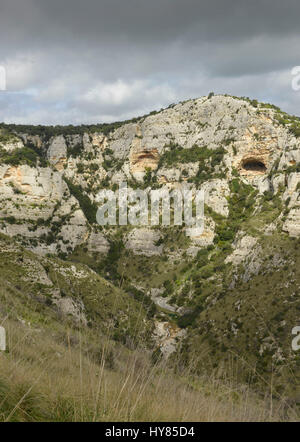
(47, 377)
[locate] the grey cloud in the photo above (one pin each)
(86, 61)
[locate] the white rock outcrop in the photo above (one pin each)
(142, 241)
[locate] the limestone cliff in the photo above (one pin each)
(245, 155)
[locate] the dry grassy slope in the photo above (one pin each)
(37, 290)
(56, 368)
(64, 375)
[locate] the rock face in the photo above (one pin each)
(67, 306)
(256, 149)
(206, 238)
(167, 337)
(292, 198)
(34, 198)
(141, 156)
(243, 247)
(216, 192)
(12, 144)
(292, 224)
(141, 160)
(98, 243)
(143, 242)
(57, 152)
(39, 184)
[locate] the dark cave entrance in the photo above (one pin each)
(254, 165)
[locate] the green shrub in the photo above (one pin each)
(178, 154)
(207, 271)
(75, 151)
(189, 319)
(142, 298)
(24, 155)
(202, 258)
(88, 208)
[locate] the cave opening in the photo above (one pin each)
(146, 155)
(254, 165)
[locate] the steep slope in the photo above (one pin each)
(38, 289)
(77, 350)
(228, 296)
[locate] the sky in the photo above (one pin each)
(94, 61)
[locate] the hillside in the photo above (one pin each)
(220, 305)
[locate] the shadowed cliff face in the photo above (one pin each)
(248, 164)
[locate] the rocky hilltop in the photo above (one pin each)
(229, 294)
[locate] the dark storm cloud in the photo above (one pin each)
(155, 20)
(80, 61)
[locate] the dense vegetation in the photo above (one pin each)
(26, 155)
(46, 132)
(178, 155)
(88, 208)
